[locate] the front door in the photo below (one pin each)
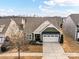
(37, 37)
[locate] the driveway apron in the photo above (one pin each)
(53, 51)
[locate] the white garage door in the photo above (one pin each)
(50, 37)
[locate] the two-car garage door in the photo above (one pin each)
(50, 37)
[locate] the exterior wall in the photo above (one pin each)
(70, 27)
(12, 29)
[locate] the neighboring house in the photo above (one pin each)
(44, 29)
(71, 26)
(15, 26)
(4, 23)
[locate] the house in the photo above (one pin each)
(9, 26)
(16, 25)
(4, 23)
(71, 26)
(44, 29)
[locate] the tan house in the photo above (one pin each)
(44, 29)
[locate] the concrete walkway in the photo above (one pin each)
(22, 54)
(53, 51)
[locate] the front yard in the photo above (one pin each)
(30, 49)
(70, 45)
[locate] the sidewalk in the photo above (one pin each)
(22, 54)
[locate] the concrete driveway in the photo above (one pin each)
(53, 51)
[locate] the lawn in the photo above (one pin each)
(73, 57)
(31, 48)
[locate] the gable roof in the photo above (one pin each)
(7, 19)
(41, 27)
(75, 18)
(44, 26)
(18, 20)
(6, 22)
(33, 23)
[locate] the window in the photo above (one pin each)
(56, 35)
(44, 35)
(28, 36)
(52, 35)
(48, 35)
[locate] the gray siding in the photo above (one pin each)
(69, 27)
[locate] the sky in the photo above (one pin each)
(39, 7)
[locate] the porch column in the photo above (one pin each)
(41, 37)
(34, 37)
